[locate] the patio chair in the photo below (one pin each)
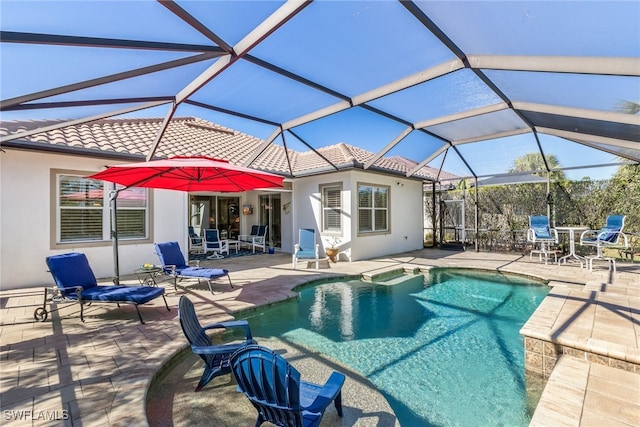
(274, 388)
(75, 282)
(174, 265)
(257, 238)
(196, 243)
(307, 248)
(213, 244)
(215, 357)
(609, 236)
(541, 232)
(634, 247)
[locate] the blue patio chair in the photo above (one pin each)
(274, 388)
(541, 232)
(75, 282)
(214, 244)
(609, 236)
(215, 357)
(307, 248)
(196, 243)
(174, 265)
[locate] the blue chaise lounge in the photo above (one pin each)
(174, 265)
(76, 282)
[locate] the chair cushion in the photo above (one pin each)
(307, 239)
(71, 270)
(170, 254)
(135, 294)
(542, 232)
(615, 221)
(609, 235)
(207, 273)
(306, 254)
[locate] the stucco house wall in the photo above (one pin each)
(27, 217)
(405, 217)
(307, 208)
(405, 204)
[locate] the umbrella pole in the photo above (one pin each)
(113, 199)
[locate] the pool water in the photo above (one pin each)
(443, 348)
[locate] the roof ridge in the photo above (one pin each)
(197, 136)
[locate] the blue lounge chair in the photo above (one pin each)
(216, 357)
(174, 265)
(307, 248)
(75, 282)
(275, 389)
(541, 232)
(609, 236)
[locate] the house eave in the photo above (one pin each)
(72, 151)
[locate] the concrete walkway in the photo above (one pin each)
(98, 372)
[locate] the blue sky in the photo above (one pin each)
(357, 54)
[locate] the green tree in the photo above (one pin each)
(620, 195)
(629, 107)
(533, 162)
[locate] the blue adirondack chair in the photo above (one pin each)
(541, 232)
(307, 248)
(75, 282)
(275, 389)
(216, 357)
(174, 265)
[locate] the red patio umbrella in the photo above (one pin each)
(189, 174)
(182, 173)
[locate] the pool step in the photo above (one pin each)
(386, 274)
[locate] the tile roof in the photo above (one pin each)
(189, 136)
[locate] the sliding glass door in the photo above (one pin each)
(270, 214)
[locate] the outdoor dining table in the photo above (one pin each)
(572, 242)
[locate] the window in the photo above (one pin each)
(332, 208)
(83, 213)
(373, 209)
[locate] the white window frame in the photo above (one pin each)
(373, 209)
(105, 238)
(327, 209)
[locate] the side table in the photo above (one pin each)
(147, 276)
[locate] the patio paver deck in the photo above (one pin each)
(98, 372)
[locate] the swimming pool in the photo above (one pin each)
(444, 348)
